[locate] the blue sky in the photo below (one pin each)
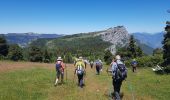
(75, 16)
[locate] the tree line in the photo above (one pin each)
(92, 48)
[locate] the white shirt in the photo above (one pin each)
(114, 68)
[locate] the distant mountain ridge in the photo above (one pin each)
(112, 39)
(23, 39)
(152, 40)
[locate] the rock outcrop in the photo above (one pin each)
(118, 36)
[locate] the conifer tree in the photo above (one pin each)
(108, 57)
(166, 45)
(3, 46)
(35, 54)
(132, 47)
(47, 57)
(15, 52)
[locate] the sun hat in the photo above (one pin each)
(59, 58)
(118, 57)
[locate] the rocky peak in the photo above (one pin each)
(118, 36)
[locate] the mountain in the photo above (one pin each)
(152, 40)
(84, 44)
(112, 38)
(117, 36)
(23, 39)
(146, 49)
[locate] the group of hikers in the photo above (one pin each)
(117, 69)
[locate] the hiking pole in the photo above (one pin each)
(66, 72)
(74, 75)
(73, 78)
(84, 77)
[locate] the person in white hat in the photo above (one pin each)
(59, 70)
(119, 73)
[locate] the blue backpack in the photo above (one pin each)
(134, 63)
(58, 66)
(121, 72)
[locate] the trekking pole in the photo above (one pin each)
(84, 77)
(73, 78)
(66, 72)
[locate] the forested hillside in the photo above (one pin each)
(79, 44)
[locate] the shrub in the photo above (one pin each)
(147, 61)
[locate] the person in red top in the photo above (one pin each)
(59, 70)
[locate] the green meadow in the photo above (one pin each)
(37, 83)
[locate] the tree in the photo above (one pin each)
(124, 52)
(15, 52)
(166, 45)
(108, 57)
(47, 57)
(139, 52)
(132, 47)
(35, 54)
(3, 46)
(157, 51)
(68, 58)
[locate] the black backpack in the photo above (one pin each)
(121, 72)
(98, 64)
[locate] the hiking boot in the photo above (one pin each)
(56, 82)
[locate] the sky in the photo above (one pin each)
(76, 16)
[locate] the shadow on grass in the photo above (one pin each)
(162, 72)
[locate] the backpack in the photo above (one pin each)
(80, 69)
(134, 63)
(121, 72)
(98, 64)
(58, 66)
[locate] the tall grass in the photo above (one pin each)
(27, 84)
(36, 83)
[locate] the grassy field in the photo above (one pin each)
(35, 81)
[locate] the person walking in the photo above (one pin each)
(134, 65)
(101, 66)
(59, 70)
(98, 66)
(80, 71)
(119, 73)
(91, 64)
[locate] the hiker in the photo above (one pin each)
(85, 62)
(119, 73)
(75, 62)
(134, 65)
(101, 67)
(98, 66)
(91, 64)
(59, 70)
(80, 71)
